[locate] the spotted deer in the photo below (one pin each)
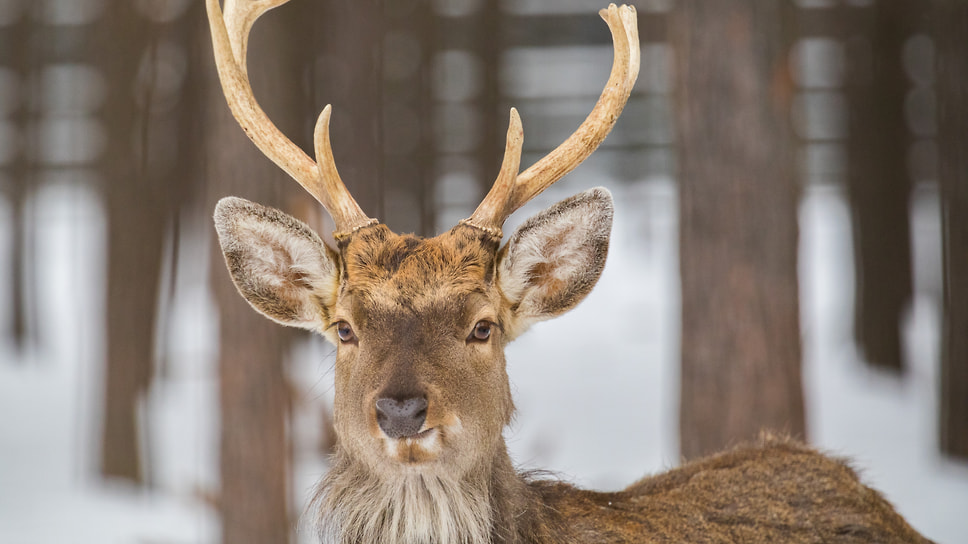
(420, 325)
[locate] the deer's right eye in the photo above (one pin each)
(345, 332)
(481, 332)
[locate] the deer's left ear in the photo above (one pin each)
(555, 258)
(277, 263)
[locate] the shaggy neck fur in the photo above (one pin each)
(355, 505)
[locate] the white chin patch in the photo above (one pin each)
(429, 442)
(422, 448)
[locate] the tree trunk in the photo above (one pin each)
(255, 452)
(951, 20)
(17, 55)
(878, 182)
(738, 224)
(136, 229)
(408, 45)
(481, 35)
(347, 74)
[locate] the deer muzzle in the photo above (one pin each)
(401, 418)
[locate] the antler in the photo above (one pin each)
(511, 191)
(230, 36)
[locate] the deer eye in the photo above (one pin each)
(481, 332)
(345, 332)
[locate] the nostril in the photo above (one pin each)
(402, 408)
(401, 418)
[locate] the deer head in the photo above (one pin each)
(420, 325)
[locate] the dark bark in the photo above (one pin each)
(951, 77)
(738, 224)
(481, 34)
(254, 401)
(136, 230)
(408, 43)
(347, 74)
(373, 65)
(878, 181)
(255, 450)
(183, 177)
(491, 47)
(16, 54)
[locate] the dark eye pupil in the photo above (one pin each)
(344, 331)
(482, 330)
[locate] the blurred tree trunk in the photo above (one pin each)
(408, 44)
(347, 74)
(184, 130)
(255, 451)
(17, 55)
(136, 231)
(374, 67)
(490, 47)
(878, 181)
(738, 224)
(951, 77)
(481, 34)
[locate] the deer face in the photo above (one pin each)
(420, 325)
(420, 369)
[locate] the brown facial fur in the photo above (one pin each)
(412, 304)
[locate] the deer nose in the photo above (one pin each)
(401, 418)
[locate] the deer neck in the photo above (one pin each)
(492, 505)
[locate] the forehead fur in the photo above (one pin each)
(412, 268)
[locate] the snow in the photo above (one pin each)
(596, 390)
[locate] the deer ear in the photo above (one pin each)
(278, 264)
(555, 258)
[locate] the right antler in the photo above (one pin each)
(230, 36)
(512, 190)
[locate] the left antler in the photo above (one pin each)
(512, 190)
(230, 36)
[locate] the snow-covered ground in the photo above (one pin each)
(596, 390)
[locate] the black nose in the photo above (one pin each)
(401, 418)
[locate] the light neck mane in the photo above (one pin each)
(353, 505)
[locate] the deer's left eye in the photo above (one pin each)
(345, 332)
(481, 332)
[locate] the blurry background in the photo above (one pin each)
(784, 171)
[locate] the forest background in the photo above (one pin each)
(790, 248)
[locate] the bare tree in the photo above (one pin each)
(255, 453)
(950, 20)
(136, 229)
(16, 54)
(347, 74)
(738, 224)
(408, 46)
(878, 181)
(487, 43)
(469, 45)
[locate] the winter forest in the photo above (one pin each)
(790, 248)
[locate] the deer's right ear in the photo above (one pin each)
(555, 258)
(278, 264)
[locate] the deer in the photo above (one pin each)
(422, 395)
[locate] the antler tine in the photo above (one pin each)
(506, 197)
(499, 197)
(230, 36)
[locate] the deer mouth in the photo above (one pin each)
(422, 447)
(422, 434)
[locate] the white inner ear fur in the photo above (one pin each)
(278, 264)
(555, 258)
